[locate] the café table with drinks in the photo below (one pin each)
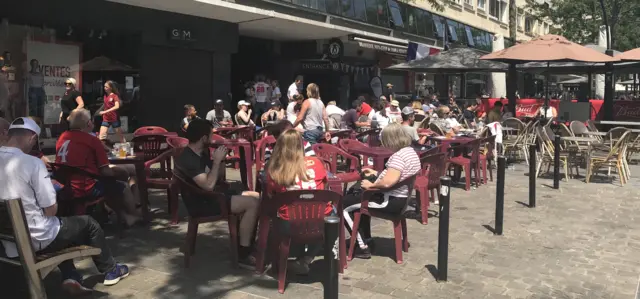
(122, 154)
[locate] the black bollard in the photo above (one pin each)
(443, 228)
(556, 162)
(500, 196)
(331, 256)
(532, 175)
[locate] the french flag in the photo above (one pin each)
(417, 51)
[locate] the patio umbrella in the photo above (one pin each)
(631, 55)
(547, 48)
(457, 60)
(102, 64)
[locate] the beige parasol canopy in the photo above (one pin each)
(549, 48)
(631, 55)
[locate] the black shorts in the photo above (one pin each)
(208, 207)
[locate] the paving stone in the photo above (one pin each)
(579, 242)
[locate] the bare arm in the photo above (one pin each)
(302, 113)
(391, 178)
(80, 102)
(207, 181)
(325, 118)
(244, 116)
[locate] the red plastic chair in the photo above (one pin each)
(150, 130)
(469, 163)
(177, 142)
(332, 154)
(372, 135)
(233, 158)
(194, 222)
(348, 144)
(162, 179)
(399, 220)
(150, 146)
(306, 221)
(260, 149)
(64, 174)
(433, 166)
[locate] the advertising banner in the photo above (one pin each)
(54, 62)
(622, 110)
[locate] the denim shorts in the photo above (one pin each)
(101, 189)
(113, 124)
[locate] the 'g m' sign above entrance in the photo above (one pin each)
(181, 35)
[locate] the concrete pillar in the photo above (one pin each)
(599, 78)
(497, 81)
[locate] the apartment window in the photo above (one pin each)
(377, 12)
(519, 22)
(468, 2)
(470, 40)
(528, 24)
(497, 9)
(481, 4)
(394, 10)
(439, 26)
(456, 2)
(452, 28)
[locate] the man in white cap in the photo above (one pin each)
(27, 178)
(393, 111)
(218, 116)
(408, 119)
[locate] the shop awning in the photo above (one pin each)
(257, 22)
(457, 60)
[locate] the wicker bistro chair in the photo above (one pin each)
(547, 153)
(13, 228)
(436, 129)
(516, 144)
(615, 157)
(592, 126)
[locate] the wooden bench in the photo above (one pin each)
(13, 228)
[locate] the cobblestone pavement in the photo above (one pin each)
(581, 241)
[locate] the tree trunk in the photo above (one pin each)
(513, 20)
(512, 75)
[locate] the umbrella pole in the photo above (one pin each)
(546, 100)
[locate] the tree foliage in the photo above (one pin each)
(580, 20)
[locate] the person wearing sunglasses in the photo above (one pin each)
(71, 100)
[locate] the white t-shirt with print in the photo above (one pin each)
(261, 92)
(26, 177)
(293, 90)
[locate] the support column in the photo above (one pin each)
(599, 78)
(498, 80)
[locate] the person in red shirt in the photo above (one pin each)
(289, 169)
(110, 117)
(78, 148)
(365, 109)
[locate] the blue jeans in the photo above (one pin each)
(313, 135)
(113, 124)
(37, 98)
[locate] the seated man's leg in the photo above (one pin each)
(84, 230)
(120, 199)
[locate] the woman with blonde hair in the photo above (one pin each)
(417, 107)
(313, 115)
(289, 169)
(403, 164)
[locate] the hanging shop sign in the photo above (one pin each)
(335, 49)
(327, 66)
(384, 48)
(55, 63)
(316, 65)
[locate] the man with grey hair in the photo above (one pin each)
(80, 149)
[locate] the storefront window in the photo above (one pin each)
(334, 7)
(476, 84)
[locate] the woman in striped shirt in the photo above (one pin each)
(403, 164)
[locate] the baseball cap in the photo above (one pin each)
(407, 111)
(243, 103)
(389, 85)
(275, 103)
(219, 101)
(25, 123)
(395, 103)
